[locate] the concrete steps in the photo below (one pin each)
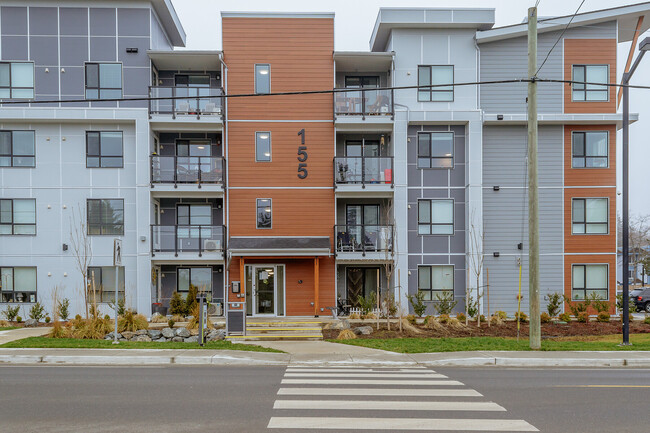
(265, 330)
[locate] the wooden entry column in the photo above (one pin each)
(316, 286)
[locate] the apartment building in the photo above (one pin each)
(289, 204)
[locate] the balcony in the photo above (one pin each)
(194, 243)
(187, 174)
(368, 106)
(364, 242)
(187, 104)
(368, 175)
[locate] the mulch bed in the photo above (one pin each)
(507, 329)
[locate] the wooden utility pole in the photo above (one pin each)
(534, 336)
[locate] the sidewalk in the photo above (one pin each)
(20, 333)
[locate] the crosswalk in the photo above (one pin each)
(384, 399)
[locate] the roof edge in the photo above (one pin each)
(170, 21)
(259, 14)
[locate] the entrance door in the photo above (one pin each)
(264, 290)
(361, 282)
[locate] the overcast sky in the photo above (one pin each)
(354, 22)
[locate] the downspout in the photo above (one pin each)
(478, 73)
(224, 139)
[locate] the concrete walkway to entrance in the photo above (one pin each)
(20, 333)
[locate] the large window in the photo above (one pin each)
(194, 214)
(16, 80)
(104, 149)
(590, 149)
(589, 216)
(263, 146)
(18, 216)
(105, 216)
(103, 80)
(18, 284)
(435, 150)
(262, 78)
(264, 213)
(436, 217)
(588, 280)
(435, 280)
(590, 74)
(200, 278)
(442, 76)
(17, 149)
(101, 283)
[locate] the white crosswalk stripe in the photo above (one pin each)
(382, 398)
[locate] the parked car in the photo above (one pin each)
(641, 299)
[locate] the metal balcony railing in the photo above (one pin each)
(363, 170)
(364, 102)
(187, 238)
(363, 238)
(199, 101)
(187, 169)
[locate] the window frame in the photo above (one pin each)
(573, 90)
(190, 268)
(584, 289)
(585, 156)
(270, 147)
(99, 88)
(99, 156)
(11, 87)
(255, 78)
(121, 288)
(11, 155)
(13, 223)
(101, 225)
(432, 158)
(361, 78)
(432, 90)
(431, 289)
(585, 223)
(257, 207)
(13, 290)
(430, 224)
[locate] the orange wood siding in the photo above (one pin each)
(589, 52)
(300, 52)
(609, 259)
(589, 243)
(589, 176)
(283, 168)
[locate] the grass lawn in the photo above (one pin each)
(74, 343)
(7, 328)
(424, 345)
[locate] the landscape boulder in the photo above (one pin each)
(192, 339)
(216, 335)
(128, 335)
(141, 332)
(340, 324)
(177, 339)
(168, 333)
(154, 334)
(141, 338)
(182, 332)
(109, 336)
(31, 323)
(363, 330)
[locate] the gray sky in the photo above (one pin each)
(355, 19)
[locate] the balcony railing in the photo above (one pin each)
(187, 238)
(363, 238)
(363, 170)
(199, 101)
(187, 169)
(364, 102)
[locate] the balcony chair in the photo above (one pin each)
(378, 105)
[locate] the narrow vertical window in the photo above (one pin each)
(264, 212)
(263, 146)
(262, 78)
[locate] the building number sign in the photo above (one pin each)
(302, 156)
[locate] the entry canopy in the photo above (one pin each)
(281, 246)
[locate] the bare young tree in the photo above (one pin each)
(389, 241)
(81, 249)
(639, 241)
(475, 261)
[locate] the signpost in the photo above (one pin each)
(117, 262)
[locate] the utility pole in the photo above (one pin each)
(534, 335)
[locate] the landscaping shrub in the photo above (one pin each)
(408, 326)
(19, 319)
(577, 307)
(461, 317)
(47, 319)
(11, 312)
(369, 316)
(482, 318)
(158, 318)
(446, 303)
(4, 324)
(598, 303)
(472, 307)
(107, 317)
(582, 317)
(63, 309)
(501, 314)
(647, 321)
(355, 316)
(194, 321)
(94, 328)
(428, 318)
(346, 334)
(132, 322)
(59, 331)
(190, 299)
(171, 323)
(455, 323)
(417, 301)
(411, 319)
(544, 318)
(496, 320)
(520, 316)
(603, 316)
(619, 305)
(176, 305)
(178, 318)
(443, 318)
(367, 304)
(554, 304)
(77, 317)
(565, 317)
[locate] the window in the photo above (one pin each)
(18, 216)
(362, 82)
(264, 213)
(435, 150)
(590, 216)
(436, 217)
(588, 279)
(18, 284)
(101, 283)
(200, 278)
(104, 149)
(103, 80)
(263, 78)
(436, 76)
(17, 149)
(590, 149)
(263, 146)
(105, 217)
(16, 80)
(194, 214)
(435, 280)
(590, 74)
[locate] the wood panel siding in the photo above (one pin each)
(589, 243)
(608, 259)
(589, 176)
(300, 52)
(589, 52)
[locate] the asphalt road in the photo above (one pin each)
(242, 399)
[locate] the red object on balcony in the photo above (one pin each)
(388, 175)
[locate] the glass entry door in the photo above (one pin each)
(264, 290)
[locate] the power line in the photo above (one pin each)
(560, 38)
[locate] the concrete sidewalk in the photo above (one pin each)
(20, 333)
